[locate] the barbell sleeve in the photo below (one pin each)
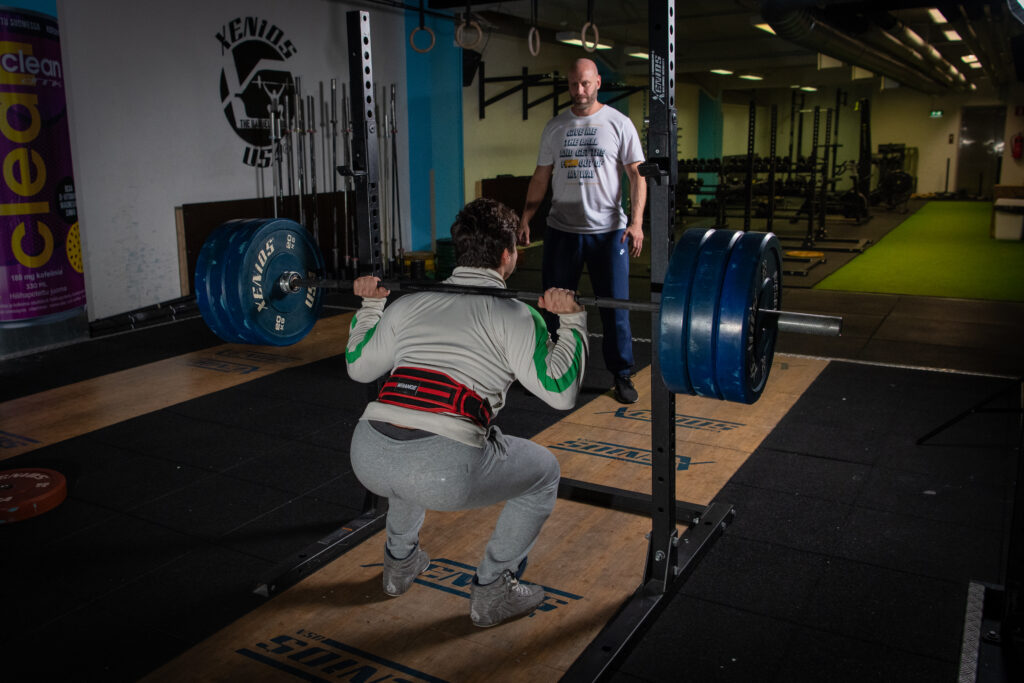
(806, 323)
(786, 321)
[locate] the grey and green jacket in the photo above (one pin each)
(483, 342)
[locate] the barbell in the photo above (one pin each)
(260, 281)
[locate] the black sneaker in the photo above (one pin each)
(625, 392)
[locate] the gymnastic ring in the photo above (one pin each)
(533, 41)
(416, 30)
(458, 34)
(583, 36)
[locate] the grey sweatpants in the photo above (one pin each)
(437, 473)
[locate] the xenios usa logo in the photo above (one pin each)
(254, 76)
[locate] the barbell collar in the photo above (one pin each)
(787, 321)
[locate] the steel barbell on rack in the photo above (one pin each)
(261, 281)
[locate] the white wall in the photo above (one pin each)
(148, 130)
(687, 116)
(902, 115)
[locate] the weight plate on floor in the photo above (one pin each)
(804, 254)
(264, 313)
(673, 317)
(745, 343)
(705, 298)
(209, 281)
(29, 492)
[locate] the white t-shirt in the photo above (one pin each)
(588, 155)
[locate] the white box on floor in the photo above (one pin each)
(1008, 219)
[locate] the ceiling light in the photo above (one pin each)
(975, 65)
(765, 27)
(721, 72)
(638, 51)
(969, 59)
(640, 55)
(573, 38)
(751, 77)
(952, 36)
(936, 16)
(974, 86)
(808, 88)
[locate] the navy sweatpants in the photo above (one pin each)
(606, 257)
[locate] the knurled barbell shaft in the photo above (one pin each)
(787, 321)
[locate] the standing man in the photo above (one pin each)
(583, 154)
(428, 442)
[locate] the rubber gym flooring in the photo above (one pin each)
(850, 557)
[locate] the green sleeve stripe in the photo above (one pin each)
(540, 353)
(353, 355)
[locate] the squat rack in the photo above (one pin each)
(552, 81)
(671, 557)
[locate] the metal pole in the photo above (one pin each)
(395, 189)
(364, 142)
(289, 125)
(274, 154)
(772, 167)
(662, 146)
(300, 107)
(748, 198)
(351, 236)
(385, 178)
(323, 136)
(311, 120)
(823, 201)
(835, 141)
(334, 174)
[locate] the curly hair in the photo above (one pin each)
(481, 231)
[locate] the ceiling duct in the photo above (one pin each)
(792, 21)
(891, 35)
(989, 39)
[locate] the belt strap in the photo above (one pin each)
(433, 392)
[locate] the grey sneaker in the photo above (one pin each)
(399, 574)
(625, 392)
(503, 599)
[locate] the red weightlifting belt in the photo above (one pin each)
(433, 392)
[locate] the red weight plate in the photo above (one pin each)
(29, 492)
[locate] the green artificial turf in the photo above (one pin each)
(944, 250)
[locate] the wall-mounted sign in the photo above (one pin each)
(40, 253)
(255, 76)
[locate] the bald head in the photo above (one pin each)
(583, 65)
(584, 82)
